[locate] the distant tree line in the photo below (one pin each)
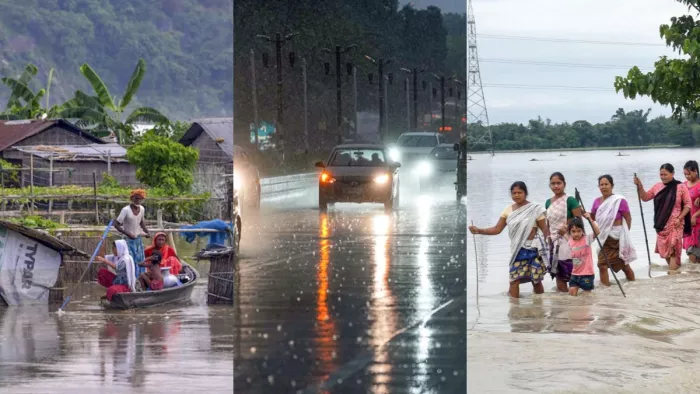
(632, 128)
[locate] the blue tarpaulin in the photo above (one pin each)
(214, 238)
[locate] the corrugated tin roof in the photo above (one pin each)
(76, 152)
(219, 129)
(15, 131)
(44, 238)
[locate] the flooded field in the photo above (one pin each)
(601, 341)
(172, 349)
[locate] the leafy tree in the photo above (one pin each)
(673, 82)
(172, 130)
(163, 163)
(104, 112)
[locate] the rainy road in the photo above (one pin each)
(353, 300)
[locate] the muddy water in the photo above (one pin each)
(173, 349)
(648, 341)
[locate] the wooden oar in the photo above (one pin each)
(644, 226)
(605, 256)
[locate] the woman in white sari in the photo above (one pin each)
(609, 211)
(561, 210)
(523, 218)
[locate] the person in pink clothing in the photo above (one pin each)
(583, 274)
(691, 242)
(671, 208)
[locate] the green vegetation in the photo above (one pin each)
(187, 44)
(673, 82)
(163, 163)
(632, 128)
(185, 206)
(33, 221)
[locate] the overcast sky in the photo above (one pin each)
(635, 21)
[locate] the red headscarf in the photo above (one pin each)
(169, 257)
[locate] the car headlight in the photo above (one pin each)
(236, 181)
(394, 154)
(424, 168)
(381, 179)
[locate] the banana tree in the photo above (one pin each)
(20, 92)
(105, 113)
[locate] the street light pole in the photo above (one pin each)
(279, 41)
(338, 87)
(382, 93)
(306, 109)
(256, 120)
(354, 88)
(386, 106)
(408, 105)
(442, 80)
(415, 71)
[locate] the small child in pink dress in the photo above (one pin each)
(583, 274)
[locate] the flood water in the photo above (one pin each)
(173, 349)
(601, 341)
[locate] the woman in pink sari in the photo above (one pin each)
(691, 242)
(671, 207)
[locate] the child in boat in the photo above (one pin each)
(152, 278)
(583, 275)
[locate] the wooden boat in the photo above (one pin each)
(147, 299)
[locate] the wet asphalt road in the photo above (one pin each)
(352, 300)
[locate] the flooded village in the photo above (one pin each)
(62, 187)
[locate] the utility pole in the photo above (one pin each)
(382, 92)
(279, 41)
(386, 105)
(408, 105)
(354, 88)
(415, 72)
(256, 121)
(338, 86)
(442, 80)
(306, 109)
(430, 104)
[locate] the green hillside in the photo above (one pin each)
(187, 46)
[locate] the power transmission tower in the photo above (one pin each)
(476, 104)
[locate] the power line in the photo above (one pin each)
(558, 64)
(570, 41)
(549, 87)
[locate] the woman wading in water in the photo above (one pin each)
(691, 242)
(561, 210)
(523, 218)
(608, 211)
(671, 207)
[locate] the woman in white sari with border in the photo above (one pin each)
(609, 211)
(561, 210)
(523, 219)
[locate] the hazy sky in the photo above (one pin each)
(630, 21)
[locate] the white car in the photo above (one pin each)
(439, 164)
(410, 147)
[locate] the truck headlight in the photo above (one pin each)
(394, 154)
(425, 168)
